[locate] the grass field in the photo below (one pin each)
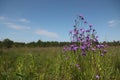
(52, 64)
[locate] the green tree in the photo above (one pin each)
(7, 43)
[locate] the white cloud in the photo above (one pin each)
(12, 23)
(2, 17)
(24, 20)
(46, 33)
(15, 26)
(113, 23)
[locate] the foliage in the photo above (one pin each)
(39, 43)
(7, 43)
(49, 64)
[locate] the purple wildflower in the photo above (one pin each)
(104, 51)
(93, 49)
(90, 25)
(93, 30)
(78, 66)
(78, 39)
(82, 29)
(85, 22)
(97, 76)
(96, 37)
(65, 49)
(101, 54)
(81, 17)
(70, 32)
(82, 47)
(75, 31)
(101, 46)
(74, 26)
(87, 30)
(81, 34)
(98, 46)
(83, 53)
(95, 40)
(72, 45)
(85, 38)
(75, 48)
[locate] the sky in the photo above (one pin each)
(51, 20)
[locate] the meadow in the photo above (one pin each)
(52, 63)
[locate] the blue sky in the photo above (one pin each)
(51, 20)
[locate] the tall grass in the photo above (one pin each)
(52, 64)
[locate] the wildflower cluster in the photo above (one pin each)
(84, 39)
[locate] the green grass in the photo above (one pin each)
(52, 64)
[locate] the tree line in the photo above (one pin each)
(7, 43)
